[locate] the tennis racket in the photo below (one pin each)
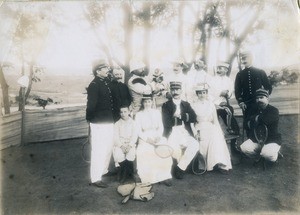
(198, 164)
(86, 150)
(163, 151)
(261, 133)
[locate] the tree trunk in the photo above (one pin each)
(128, 28)
(21, 94)
(243, 36)
(5, 95)
(30, 81)
(180, 29)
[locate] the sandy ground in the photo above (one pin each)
(52, 178)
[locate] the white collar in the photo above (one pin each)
(176, 101)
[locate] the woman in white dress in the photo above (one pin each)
(208, 131)
(151, 168)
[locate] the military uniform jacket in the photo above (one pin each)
(187, 116)
(99, 101)
(248, 81)
(121, 95)
(270, 117)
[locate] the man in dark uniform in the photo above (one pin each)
(267, 115)
(177, 118)
(99, 114)
(122, 96)
(247, 81)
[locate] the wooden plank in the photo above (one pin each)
(58, 124)
(10, 130)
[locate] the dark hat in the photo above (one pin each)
(147, 96)
(175, 85)
(262, 92)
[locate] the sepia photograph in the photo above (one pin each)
(149, 107)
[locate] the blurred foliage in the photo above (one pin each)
(284, 77)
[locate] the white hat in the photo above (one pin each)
(245, 53)
(135, 64)
(223, 64)
(201, 87)
(99, 63)
(157, 73)
(180, 61)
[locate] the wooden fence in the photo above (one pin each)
(10, 130)
(43, 125)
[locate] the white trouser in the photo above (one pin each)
(268, 151)
(180, 140)
(102, 146)
(120, 156)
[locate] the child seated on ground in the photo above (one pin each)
(125, 138)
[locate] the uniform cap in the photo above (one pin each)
(175, 85)
(99, 64)
(262, 92)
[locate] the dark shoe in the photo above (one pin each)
(269, 164)
(258, 162)
(223, 171)
(136, 178)
(100, 184)
(167, 182)
(178, 173)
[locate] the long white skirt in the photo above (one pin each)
(213, 146)
(152, 168)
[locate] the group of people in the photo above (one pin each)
(129, 122)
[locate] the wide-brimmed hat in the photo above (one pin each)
(147, 96)
(175, 85)
(262, 92)
(136, 64)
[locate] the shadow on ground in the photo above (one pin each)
(52, 178)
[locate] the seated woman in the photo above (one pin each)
(151, 168)
(207, 130)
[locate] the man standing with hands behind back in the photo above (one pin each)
(99, 114)
(247, 81)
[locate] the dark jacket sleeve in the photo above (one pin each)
(188, 115)
(168, 120)
(238, 88)
(269, 117)
(92, 96)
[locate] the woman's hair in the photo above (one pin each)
(142, 102)
(197, 91)
(123, 106)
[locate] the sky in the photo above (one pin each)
(70, 48)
